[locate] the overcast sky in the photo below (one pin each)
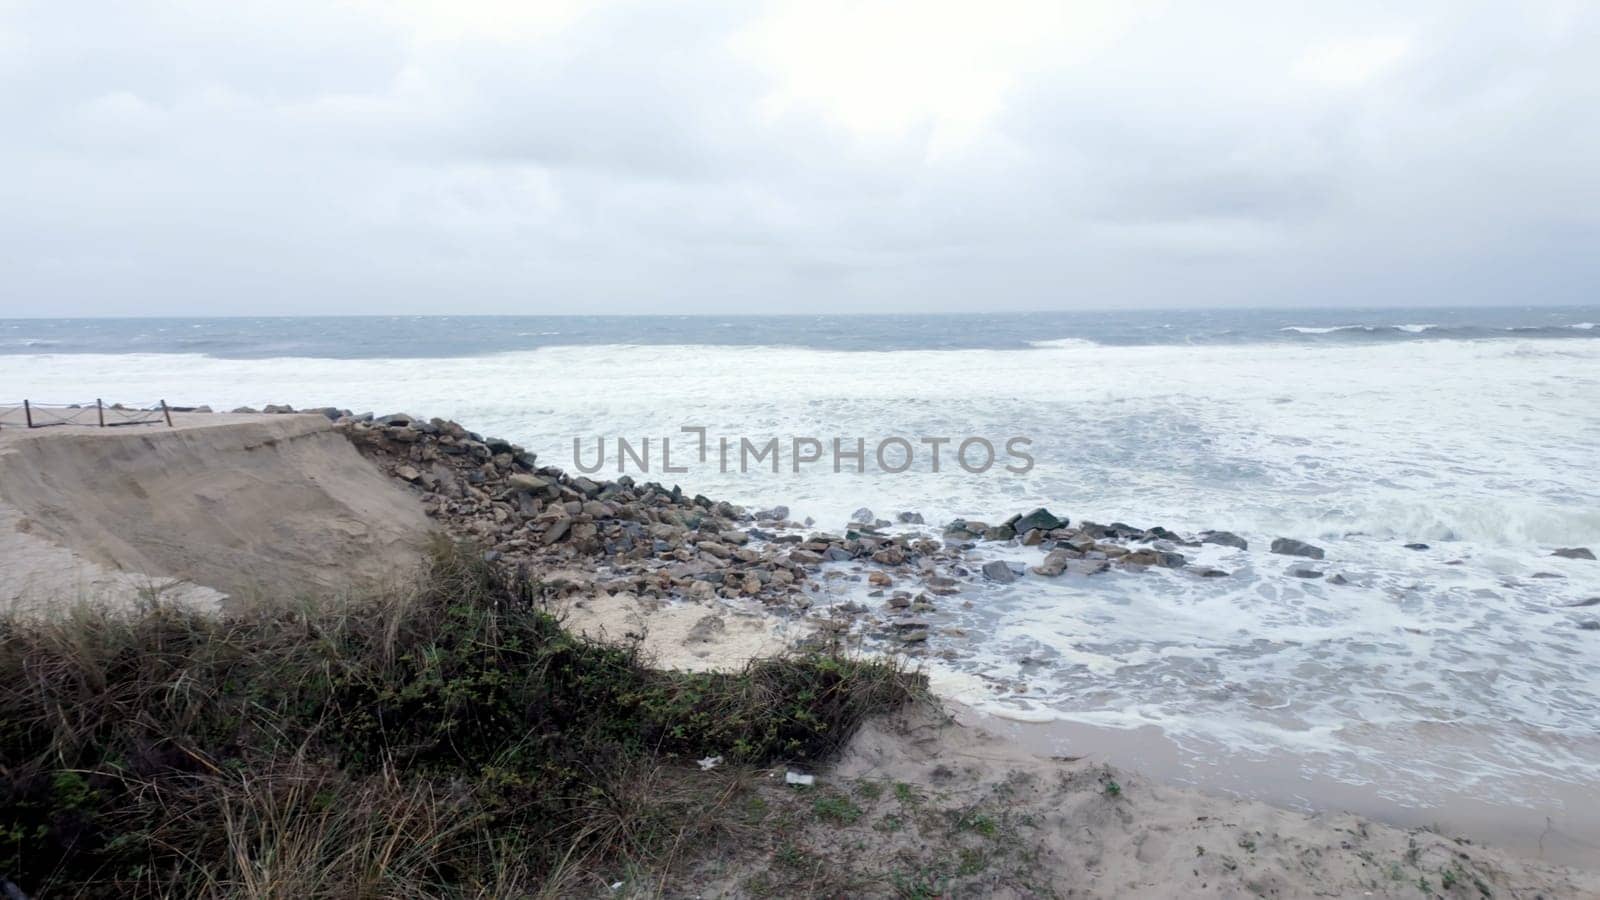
(312, 156)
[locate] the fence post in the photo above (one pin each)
(167, 413)
(100, 409)
(27, 413)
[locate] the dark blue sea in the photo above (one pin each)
(369, 337)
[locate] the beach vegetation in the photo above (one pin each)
(449, 740)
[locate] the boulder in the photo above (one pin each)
(910, 518)
(1055, 562)
(1224, 538)
(522, 482)
(999, 570)
(1039, 518)
(556, 530)
(1166, 559)
(1292, 547)
(862, 516)
(1574, 553)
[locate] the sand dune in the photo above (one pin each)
(219, 506)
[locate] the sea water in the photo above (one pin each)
(1437, 679)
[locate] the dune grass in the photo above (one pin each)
(454, 741)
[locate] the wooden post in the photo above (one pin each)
(27, 413)
(167, 413)
(100, 409)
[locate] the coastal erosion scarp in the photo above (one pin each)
(219, 506)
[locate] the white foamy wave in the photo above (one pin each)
(1409, 328)
(1318, 329)
(1583, 326)
(1062, 344)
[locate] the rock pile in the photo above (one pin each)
(575, 532)
(563, 535)
(571, 533)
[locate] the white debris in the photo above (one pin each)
(793, 777)
(710, 762)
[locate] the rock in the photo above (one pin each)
(775, 514)
(910, 518)
(1166, 559)
(915, 636)
(1303, 570)
(1039, 518)
(1225, 538)
(1055, 562)
(999, 533)
(881, 579)
(523, 482)
(961, 528)
(891, 555)
(1416, 546)
(1212, 573)
(1170, 559)
(1574, 553)
(1336, 578)
(1292, 547)
(999, 570)
(556, 530)
(862, 516)
(408, 473)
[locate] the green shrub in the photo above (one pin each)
(456, 741)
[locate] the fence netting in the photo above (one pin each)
(93, 414)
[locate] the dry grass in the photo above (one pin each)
(453, 741)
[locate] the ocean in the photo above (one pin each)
(1453, 676)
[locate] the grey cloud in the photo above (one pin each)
(305, 157)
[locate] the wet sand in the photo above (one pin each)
(1560, 822)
